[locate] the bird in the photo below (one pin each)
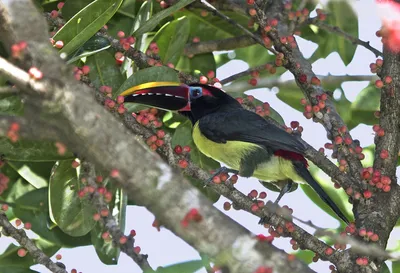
(223, 130)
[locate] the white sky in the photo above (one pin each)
(164, 248)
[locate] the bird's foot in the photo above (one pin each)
(218, 172)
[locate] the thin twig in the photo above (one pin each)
(340, 32)
(216, 12)
(20, 236)
(8, 90)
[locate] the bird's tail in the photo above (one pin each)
(305, 174)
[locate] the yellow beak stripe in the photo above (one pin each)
(148, 85)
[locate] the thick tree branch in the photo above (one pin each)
(20, 236)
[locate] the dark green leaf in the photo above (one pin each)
(202, 63)
(29, 150)
(171, 40)
(105, 250)
(341, 14)
(11, 105)
(212, 27)
(72, 214)
(36, 173)
(33, 207)
(365, 104)
(185, 267)
(85, 24)
(16, 187)
(15, 268)
(151, 74)
(338, 196)
(95, 45)
(103, 71)
(157, 18)
(72, 7)
(254, 55)
(395, 267)
(9, 256)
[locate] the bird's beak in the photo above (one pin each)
(166, 95)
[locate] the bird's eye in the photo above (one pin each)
(196, 92)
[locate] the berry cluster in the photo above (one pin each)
(148, 118)
(156, 140)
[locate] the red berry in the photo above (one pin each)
(58, 257)
(253, 194)
(379, 84)
(182, 163)
(21, 252)
(273, 22)
(262, 195)
(178, 149)
(388, 80)
(315, 81)
(294, 124)
(253, 81)
(252, 12)
(35, 73)
(379, 62)
(367, 194)
(250, 2)
(75, 164)
(338, 140)
(362, 232)
(121, 34)
(123, 240)
(203, 80)
(302, 78)
(374, 237)
(114, 173)
(60, 5)
(328, 251)
(227, 206)
(384, 154)
(380, 132)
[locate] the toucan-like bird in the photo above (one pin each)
(223, 130)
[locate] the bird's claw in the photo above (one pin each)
(218, 172)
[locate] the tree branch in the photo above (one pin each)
(20, 236)
(218, 45)
(109, 222)
(340, 32)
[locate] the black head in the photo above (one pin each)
(206, 99)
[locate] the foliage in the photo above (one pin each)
(44, 187)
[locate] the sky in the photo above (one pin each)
(165, 248)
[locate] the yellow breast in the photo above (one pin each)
(231, 153)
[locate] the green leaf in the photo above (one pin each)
(185, 267)
(142, 16)
(72, 7)
(254, 55)
(11, 105)
(212, 27)
(30, 150)
(16, 187)
(365, 104)
(85, 24)
(72, 214)
(202, 63)
(395, 267)
(338, 196)
(33, 207)
(305, 255)
(103, 71)
(151, 74)
(10, 257)
(171, 40)
(157, 18)
(95, 45)
(105, 250)
(36, 173)
(15, 268)
(341, 14)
